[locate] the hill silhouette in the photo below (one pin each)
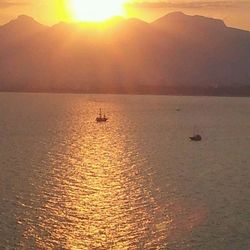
(176, 54)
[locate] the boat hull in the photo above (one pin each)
(101, 119)
(195, 138)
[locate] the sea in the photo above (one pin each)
(134, 182)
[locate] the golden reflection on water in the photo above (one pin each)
(101, 193)
(108, 196)
(98, 192)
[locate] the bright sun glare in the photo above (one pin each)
(95, 10)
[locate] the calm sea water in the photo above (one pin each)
(136, 182)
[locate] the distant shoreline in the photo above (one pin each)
(148, 90)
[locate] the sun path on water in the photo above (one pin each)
(95, 10)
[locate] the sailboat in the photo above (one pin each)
(101, 118)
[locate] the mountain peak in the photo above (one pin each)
(21, 27)
(24, 21)
(181, 21)
(24, 18)
(176, 14)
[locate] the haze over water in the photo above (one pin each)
(136, 182)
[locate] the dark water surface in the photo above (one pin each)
(136, 182)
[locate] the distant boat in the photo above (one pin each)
(101, 118)
(195, 138)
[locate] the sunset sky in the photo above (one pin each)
(235, 13)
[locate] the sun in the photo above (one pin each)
(95, 10)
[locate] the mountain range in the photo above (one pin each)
(176, 54)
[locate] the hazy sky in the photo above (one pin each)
(235, 13)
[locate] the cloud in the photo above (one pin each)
(4, 4)
(188, 5)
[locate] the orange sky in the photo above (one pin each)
(235, 13)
